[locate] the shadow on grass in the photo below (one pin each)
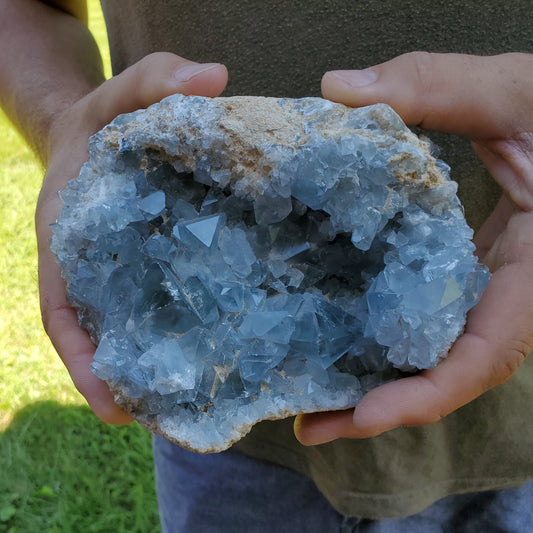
(62, 470)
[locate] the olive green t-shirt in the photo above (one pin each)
(282, 48)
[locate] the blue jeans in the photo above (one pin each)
(232, 493)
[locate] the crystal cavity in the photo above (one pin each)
(240, 259)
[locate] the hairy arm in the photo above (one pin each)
(49, 61)
(53, 89)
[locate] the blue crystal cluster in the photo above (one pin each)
(243, 259)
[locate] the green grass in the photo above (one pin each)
(62, 470)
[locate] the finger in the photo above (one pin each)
(318, 428)
(60, 321)
(152, 79)
(72, 343)
(499, 335)
(479, 97)
(494, 226)
(510, 162)
(148, 81)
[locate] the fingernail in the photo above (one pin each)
(356, 78)
(188, 72)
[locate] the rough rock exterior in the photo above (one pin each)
(240, 259)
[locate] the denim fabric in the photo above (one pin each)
(230, 492)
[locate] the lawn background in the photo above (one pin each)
(61, 469)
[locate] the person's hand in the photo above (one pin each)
(148, 81)
(490, 101)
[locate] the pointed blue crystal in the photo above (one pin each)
(154, 204)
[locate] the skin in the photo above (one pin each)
(57, 101)
(60, 98)
(490, 101)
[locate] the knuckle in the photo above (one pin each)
(416, 71)
(150, 77)
(145, 67)
(519, 227)
(144, 70)
(437, 416)
(513, 357)
(422, 68)
(517, 355)
(430, 416)
(436, 413)
(156, 57)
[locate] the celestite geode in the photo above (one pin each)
(240, 259)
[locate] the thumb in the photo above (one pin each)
(148, 81)
(478, 97)
(153, 78)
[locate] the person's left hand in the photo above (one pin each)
(490, 101)
(148, 81)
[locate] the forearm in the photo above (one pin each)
(49, 60)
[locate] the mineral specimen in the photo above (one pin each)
(240, 259)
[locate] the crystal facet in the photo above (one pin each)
(237, 259)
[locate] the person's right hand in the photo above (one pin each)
(148, 81)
